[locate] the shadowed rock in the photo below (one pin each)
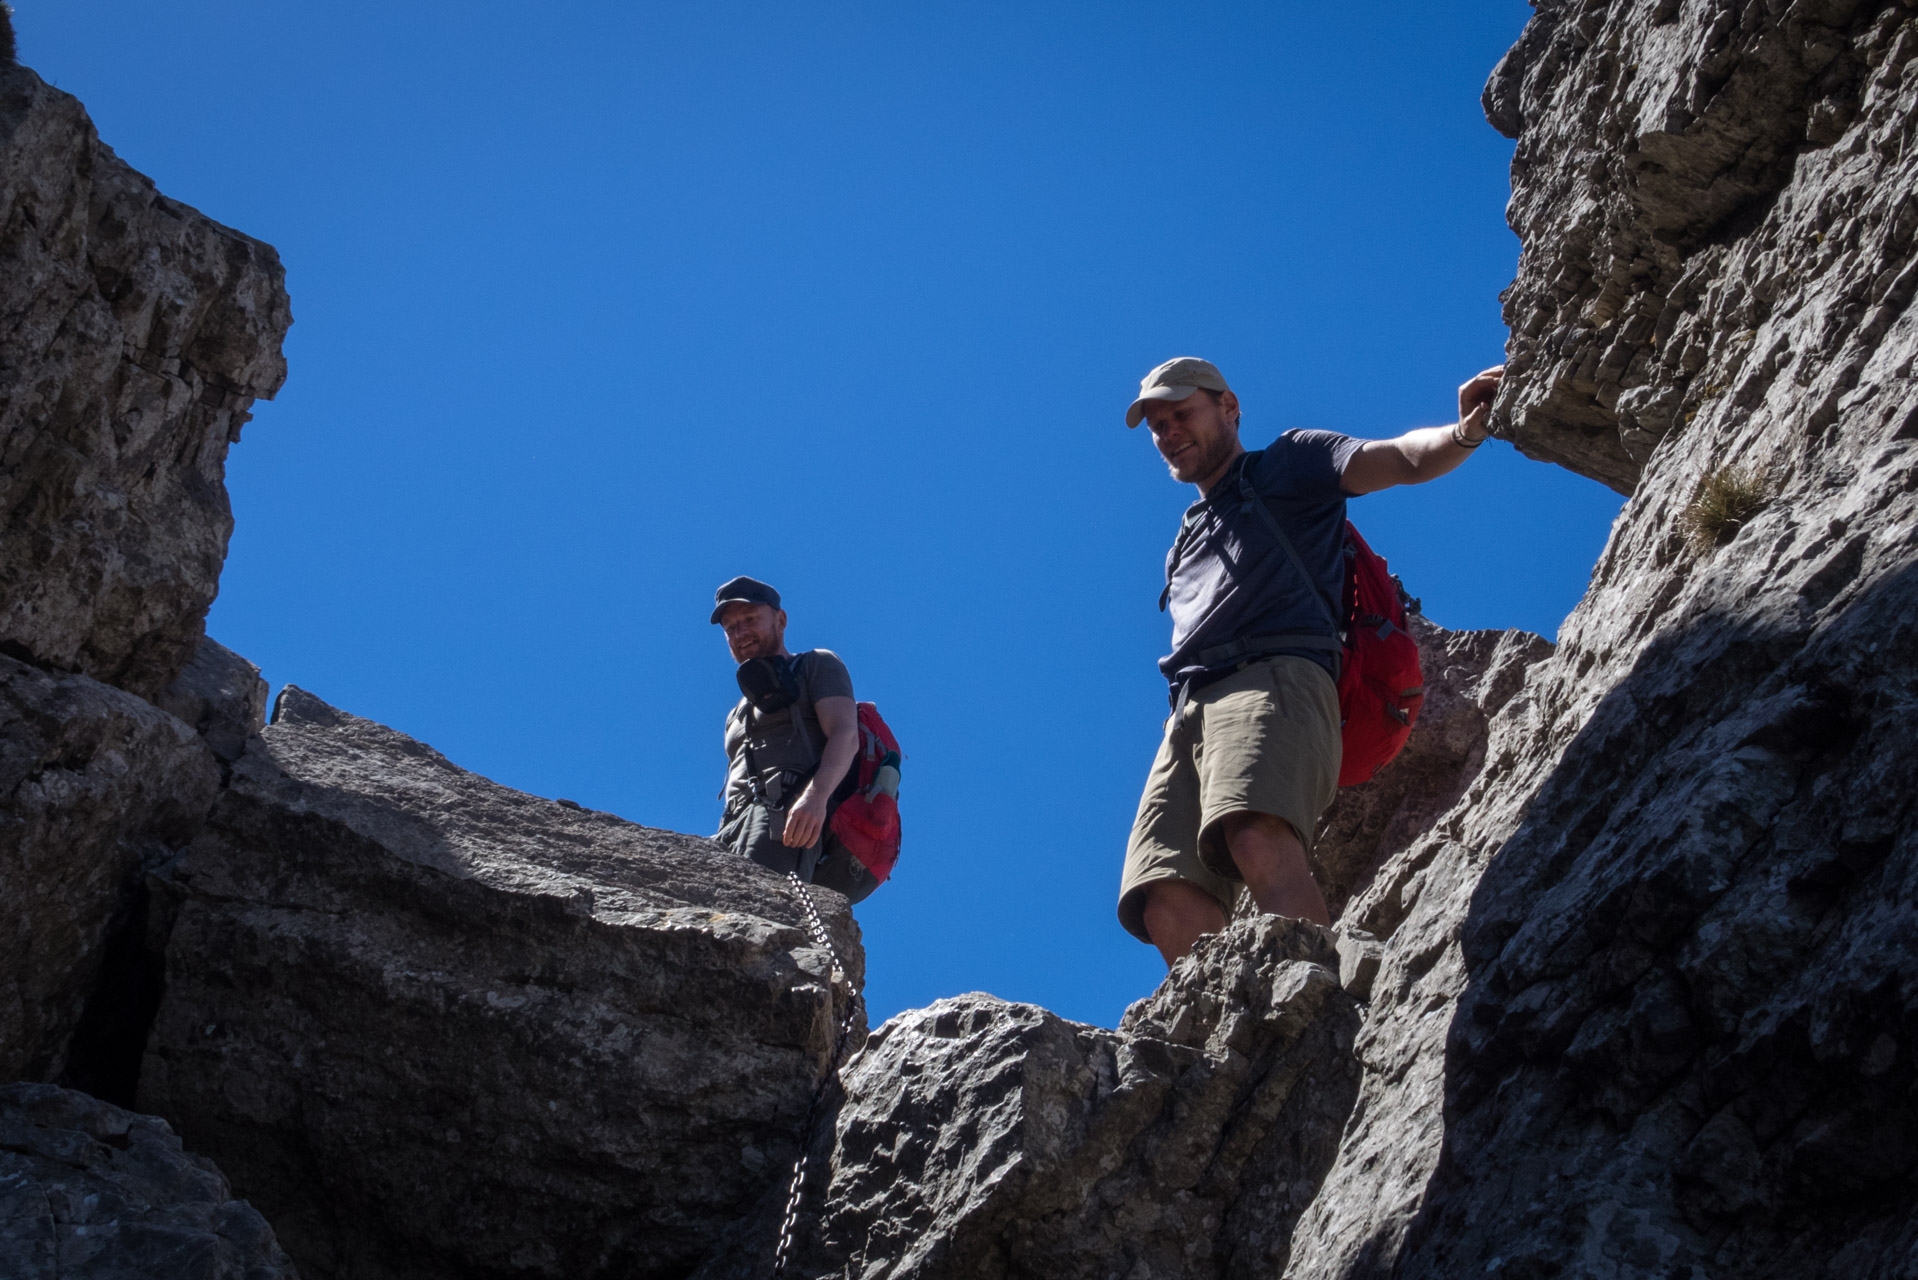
(1646, 1003)
(87, 1189)
(437, 1027)
(981, 1139)
(1469, 675)
(92, 780)
(221, 695)
(134, 335)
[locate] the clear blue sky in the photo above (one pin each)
(599, 304)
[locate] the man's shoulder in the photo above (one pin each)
(825, 672)
(1305, 454)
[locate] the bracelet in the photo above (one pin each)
(1458, 438)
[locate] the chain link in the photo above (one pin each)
(789, 1224)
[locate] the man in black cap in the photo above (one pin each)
(790, 743)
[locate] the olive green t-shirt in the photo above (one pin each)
(790, 739)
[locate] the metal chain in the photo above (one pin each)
(789, 1224)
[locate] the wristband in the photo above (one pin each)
(1458, 438)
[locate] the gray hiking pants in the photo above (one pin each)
(754, 832)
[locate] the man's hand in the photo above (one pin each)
(805, 819)
(1475, 403)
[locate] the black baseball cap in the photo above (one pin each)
(743, 590)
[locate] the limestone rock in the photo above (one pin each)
(134, 335)
(87, 1189)
(1469, 675)
(436, 1027)
(1647, 1003)
(92, 780)
(221, 695)
(982, 1139)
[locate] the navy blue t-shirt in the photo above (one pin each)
(1233, 580)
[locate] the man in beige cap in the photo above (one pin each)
(1250, 757)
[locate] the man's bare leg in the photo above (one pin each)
(1177, 913)
(1271, 858)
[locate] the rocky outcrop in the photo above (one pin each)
(134, 335)
(87, 1189)
(1469, 677)
(436, 1027)
(221, 695)
(1647, 1006)
(92, 781)
(984, 1139)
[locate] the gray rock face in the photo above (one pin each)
(1469, 675)
(87, 1189)
(135, 335)
(92, 780)
(982, 1139)
(436, 1027)
(1646, 1002)
(221, 695)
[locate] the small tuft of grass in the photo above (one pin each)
(1724, 502)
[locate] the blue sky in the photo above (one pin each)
(598, 304)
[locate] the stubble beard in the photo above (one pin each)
(1209, 457)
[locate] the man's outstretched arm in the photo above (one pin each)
(1429, 452)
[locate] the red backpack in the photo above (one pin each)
(1381, 687)
(867, 820)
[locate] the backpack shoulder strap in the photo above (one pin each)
(1250, 501)
(1172, 560)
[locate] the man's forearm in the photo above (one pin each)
(834, 761)
(1430, 452)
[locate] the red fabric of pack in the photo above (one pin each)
(1381, 686)
(867, 821)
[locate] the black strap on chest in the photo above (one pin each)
(1251, 503)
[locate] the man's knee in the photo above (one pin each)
(1180, 909)
(1260, 825)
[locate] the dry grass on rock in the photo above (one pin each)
(1725, 500)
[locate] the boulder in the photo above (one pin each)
(87, 1189)
(221, 695)
(436, 1027)
(134, 335)
(92, 782)
(980, 1139)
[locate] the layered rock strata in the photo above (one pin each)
(87, 1189)
(135, 334)
(436, 1027)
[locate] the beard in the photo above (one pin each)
(1204, 458)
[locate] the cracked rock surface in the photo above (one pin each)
(979, 1138)
(135, 333)
(1646, 1002)
(92, 781)
(436, 1027)
(89, 1190)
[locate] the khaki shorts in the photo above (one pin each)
(1264, 739)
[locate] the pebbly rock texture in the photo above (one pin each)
(134, 335)
(984, 1139)
(87, 1189)
(1469, 676)
(92, 781)
(1647, 1003)
(436, 1027)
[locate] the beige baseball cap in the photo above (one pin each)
(1176, 379)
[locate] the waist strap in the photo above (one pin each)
(1266, 646)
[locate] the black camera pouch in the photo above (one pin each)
(770, 683)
